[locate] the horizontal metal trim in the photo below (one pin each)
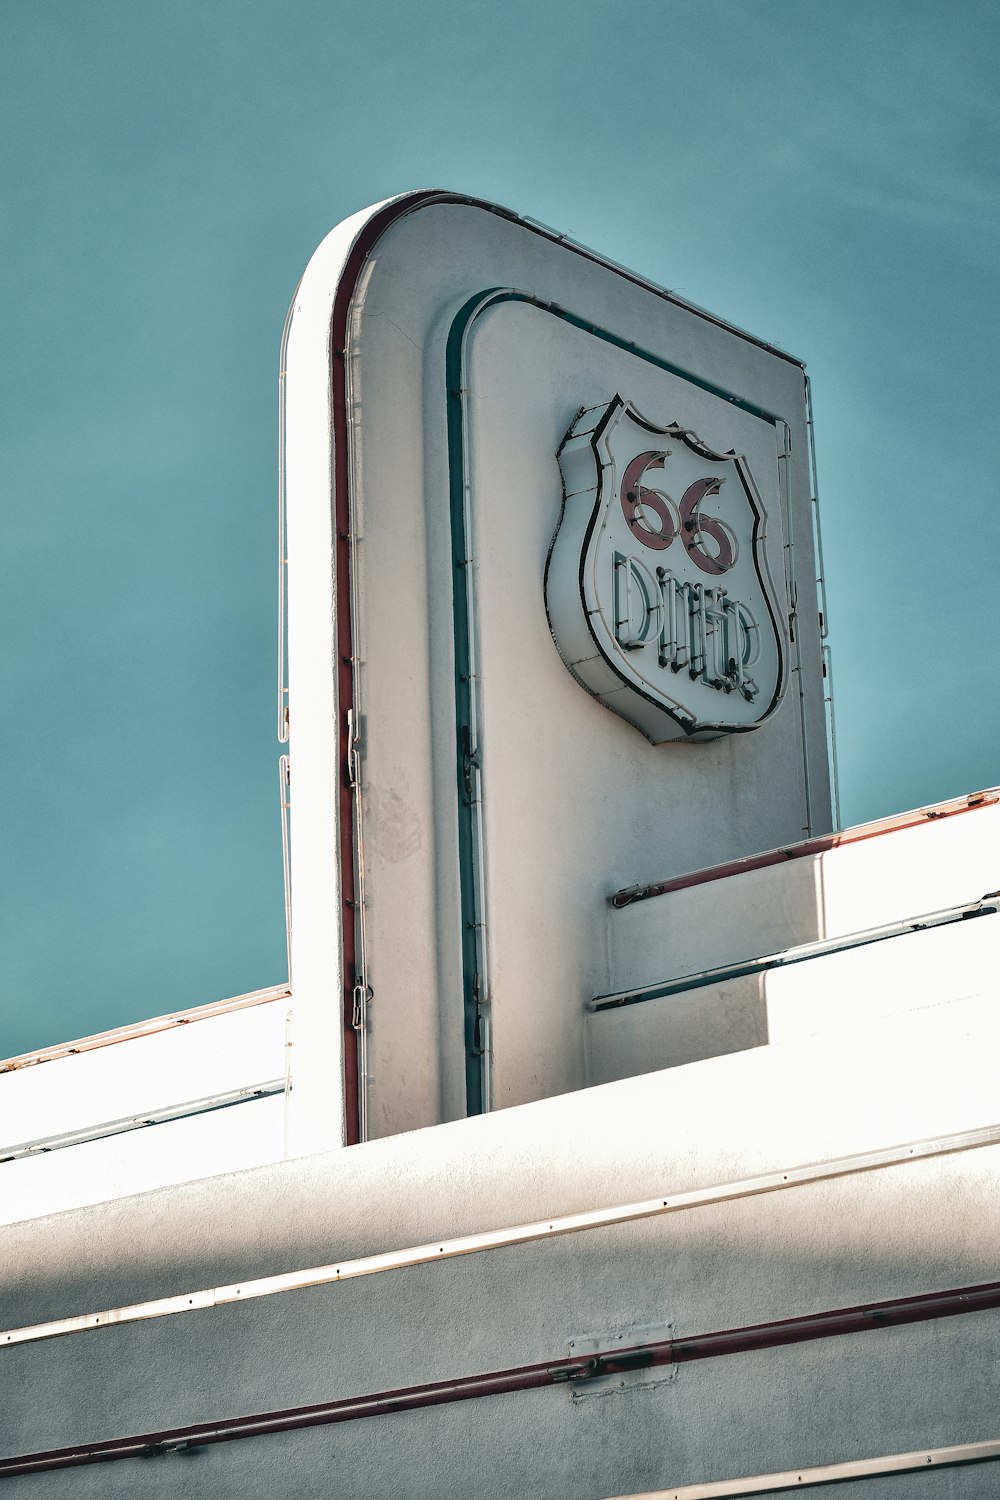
(865, 1317)
(145, 1028)
(576, 1371)
(163, 1116)
(579, 248)
(804, 1479)
(805, 847)
(986, 906)
(520, 1234)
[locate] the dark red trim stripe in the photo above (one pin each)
(819, 845)
(865, 1318)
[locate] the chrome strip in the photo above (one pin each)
(136, 1029)
(138, 1122)
(801, 1479)
(519, 1234)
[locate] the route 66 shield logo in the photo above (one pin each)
(657, 585)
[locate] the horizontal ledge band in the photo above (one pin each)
(985, 906)
(496, 1239)
(164, 1116)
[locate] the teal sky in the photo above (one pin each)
(824, 175)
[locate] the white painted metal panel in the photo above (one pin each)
(48, 1110)
(852, 991)
(211, 1056)
(139, 1161)
(576, 802)
(856, 989)
(914, 870)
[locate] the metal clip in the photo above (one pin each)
(352, 751)
(158, 1448)
(480, 1025)
(361, 996)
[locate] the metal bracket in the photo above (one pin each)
(480, 1028)
(629, 1372)
(352, 766)
(470, 762)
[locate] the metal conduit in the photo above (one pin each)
(865, 1318)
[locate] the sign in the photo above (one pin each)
(460, 808)
(657, 586)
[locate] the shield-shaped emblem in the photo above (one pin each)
(657, 584)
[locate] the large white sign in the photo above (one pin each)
(460, 807)
(657, 586)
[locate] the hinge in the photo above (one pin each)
(629, 1360)
(470, 760)
(352, 769)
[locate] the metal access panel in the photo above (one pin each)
(553, 630)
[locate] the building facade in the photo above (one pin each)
(625, 1127)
